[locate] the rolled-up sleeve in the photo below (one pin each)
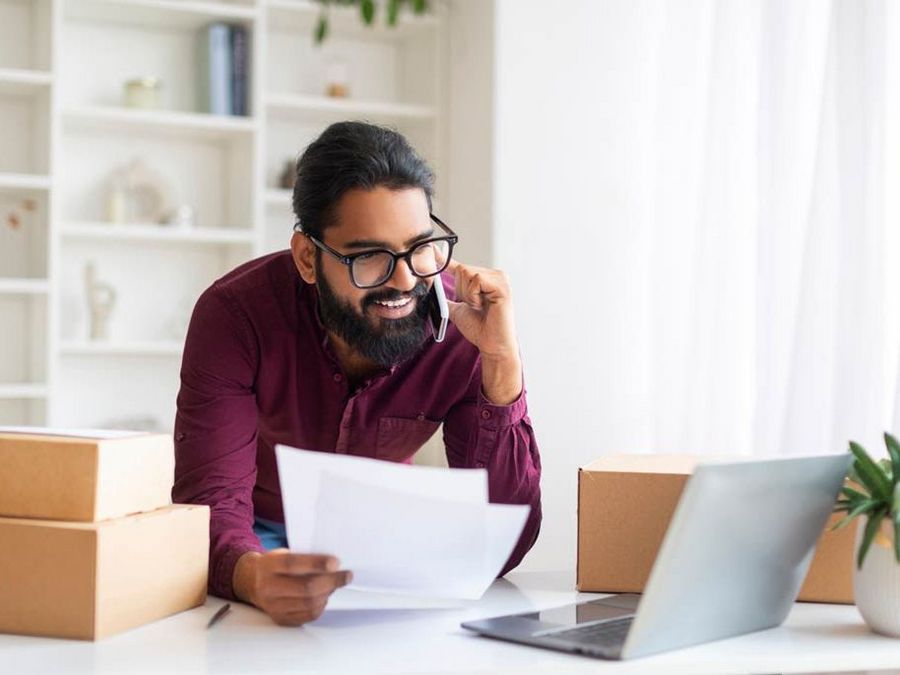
(499, 438)
(216, 431)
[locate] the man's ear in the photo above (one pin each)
(304, 254)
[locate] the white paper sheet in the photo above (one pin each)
(345, 599)
(299, 472)
(401, 530)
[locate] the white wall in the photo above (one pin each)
(470, 128)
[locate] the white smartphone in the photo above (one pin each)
(438, 310)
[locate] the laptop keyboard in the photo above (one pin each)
(606, 634)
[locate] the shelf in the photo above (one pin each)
(279, 197)
(21, 82)
(159, 122)
(23, 391)
(23, 286)
(180, 14)
(346, 21)
(23, 182)
(161, 233)
(299, 104)
(157, 348)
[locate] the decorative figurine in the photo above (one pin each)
(137, 194)
(337, 79)
(183, 217)
(288, 175)
(101, 299)
(143, 92)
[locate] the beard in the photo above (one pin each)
(387, 342)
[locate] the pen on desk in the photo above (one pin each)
(223, 610)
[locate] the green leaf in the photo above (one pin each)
(393, 10)
(893, 448)
(420, 6)
(885, 465)
(367, 9)
(321, 28)
(895, 514)
(868, 505)
(869, 536)
(872, 475)
(897, 534)
(853, 494)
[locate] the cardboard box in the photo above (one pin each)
(625, 503)
(60, 477)
(90, 580)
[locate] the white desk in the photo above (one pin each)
(815, 637)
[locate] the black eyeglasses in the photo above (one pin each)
(373, 267)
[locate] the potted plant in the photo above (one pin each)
(367, 10)
(874, 492)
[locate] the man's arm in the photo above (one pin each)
(215, 464)
(499, 438)
(490, 427)
(215, 432)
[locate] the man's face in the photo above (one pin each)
(386, 324)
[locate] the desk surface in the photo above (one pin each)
(814, 638)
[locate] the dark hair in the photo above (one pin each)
(351, 155)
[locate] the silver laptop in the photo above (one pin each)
(732, 562)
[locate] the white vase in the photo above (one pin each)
(877, 585)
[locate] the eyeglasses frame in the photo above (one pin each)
(452, 238)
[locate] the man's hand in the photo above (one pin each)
(483, 313)
(290, 587)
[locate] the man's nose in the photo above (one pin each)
(402, 278)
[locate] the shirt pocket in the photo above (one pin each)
(400, 438)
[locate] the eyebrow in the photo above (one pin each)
(376, 243)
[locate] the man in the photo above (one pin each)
(328, 347)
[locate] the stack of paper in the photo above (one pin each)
(407, 530)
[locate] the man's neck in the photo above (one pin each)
(357, 367)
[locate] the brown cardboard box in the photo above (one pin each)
(90, 580)
(84, 479)
(625, 503)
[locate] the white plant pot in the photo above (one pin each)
(877, 585)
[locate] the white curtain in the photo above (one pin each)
(772, 317)
(695, 201)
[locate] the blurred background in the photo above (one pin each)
(695, 202)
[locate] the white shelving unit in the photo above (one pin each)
(64, 130)
(155, 233)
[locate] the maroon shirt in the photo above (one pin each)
(258, 370)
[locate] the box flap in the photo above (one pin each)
(92, 434)
(670, 464)
(161, 512)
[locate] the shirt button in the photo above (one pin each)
(338, 377)
(479, 465)
(420, 416)
(485, 414)
(179, 436)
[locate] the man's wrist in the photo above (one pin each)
(501, 378)
(244, 578)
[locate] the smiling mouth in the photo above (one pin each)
(394, 303)
(394, 309)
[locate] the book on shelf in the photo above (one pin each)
(223, 60)
(239, 65)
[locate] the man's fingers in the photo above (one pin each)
(285, 562)
(298, 613)
(298, 586)
(299, 605)
(453, 309)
